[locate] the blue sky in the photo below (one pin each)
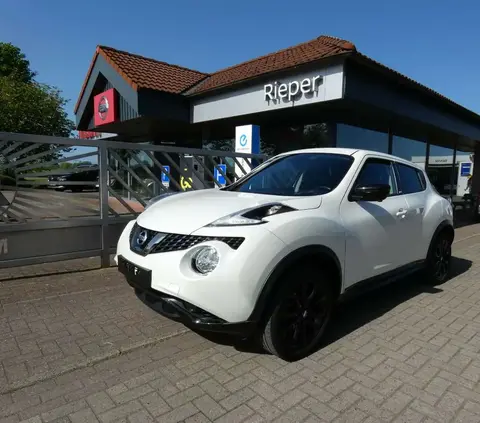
(434, 42)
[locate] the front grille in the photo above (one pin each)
(173, 242)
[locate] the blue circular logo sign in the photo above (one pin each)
(243, 140)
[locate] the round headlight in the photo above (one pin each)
(206, 260)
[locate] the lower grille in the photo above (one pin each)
(174, 242)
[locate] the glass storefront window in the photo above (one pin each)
(276, 139)
(464, 172)
(439, 170)
(408, 149)
(355, 137)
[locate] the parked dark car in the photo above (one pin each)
(82, 177)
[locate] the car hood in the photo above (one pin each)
(187, 212)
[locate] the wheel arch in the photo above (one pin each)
(444, 226)
(321, 253)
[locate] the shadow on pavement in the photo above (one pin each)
(358, 311)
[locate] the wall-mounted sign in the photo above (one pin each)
(292, 90)
(465, 169)
(165, 177)
(324, 83)
(247, 140)
(218, 172)
(105, 107)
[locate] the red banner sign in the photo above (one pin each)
(104, 107)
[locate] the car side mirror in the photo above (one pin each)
(370, 192)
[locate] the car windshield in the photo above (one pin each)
(302, 174)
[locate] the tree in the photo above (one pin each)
(28, 106)
(14, 64)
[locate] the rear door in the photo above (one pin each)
(376, 238)
(412, 185)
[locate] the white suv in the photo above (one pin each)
(273, 252)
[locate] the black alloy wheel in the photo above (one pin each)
(440, 259)
(298, 322)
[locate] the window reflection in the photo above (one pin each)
(439, 170)
(464, 172)
(276, 139)
(408, 149)
(354, 137)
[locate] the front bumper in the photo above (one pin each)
(183, 312)
(56, 185)
(230, 292)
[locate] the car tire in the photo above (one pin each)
(302, 310)
(439, 260)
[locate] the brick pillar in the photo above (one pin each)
(476, 170)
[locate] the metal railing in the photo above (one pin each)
(63, 198)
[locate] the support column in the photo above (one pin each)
(476, 171)
(390, 139)
(454, 174)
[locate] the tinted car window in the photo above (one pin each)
(301, 174)
(375, 172)
(410, 180)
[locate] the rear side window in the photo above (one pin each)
(410, 180)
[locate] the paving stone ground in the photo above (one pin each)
(79, 347)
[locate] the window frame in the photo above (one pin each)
(378, 160)
(420, 176)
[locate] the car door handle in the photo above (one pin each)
(401, 213)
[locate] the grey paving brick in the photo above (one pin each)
(140, 417)
(237, 398)
(318, 408)
(240, 382)
(14, 419)
(339, 385)
(193, 380)
(83, 416)
(185, 396)
(294, 415)
(236, 416)
(214, 389)
(26, 413)
(265, 390)
(409, 416)
(100, 402)
(417, 361)
(63, 410)
(209, 407)
(264, 408)
(450, 402)
(130, 394)
(397, 402)
(120, 412)
(179, 414)
(198, 418)
(353, 415)
(290, 399)
(155, 404)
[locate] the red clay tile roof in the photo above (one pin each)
(142, 72)
(307, 52)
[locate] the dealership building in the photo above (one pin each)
(323, 92)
